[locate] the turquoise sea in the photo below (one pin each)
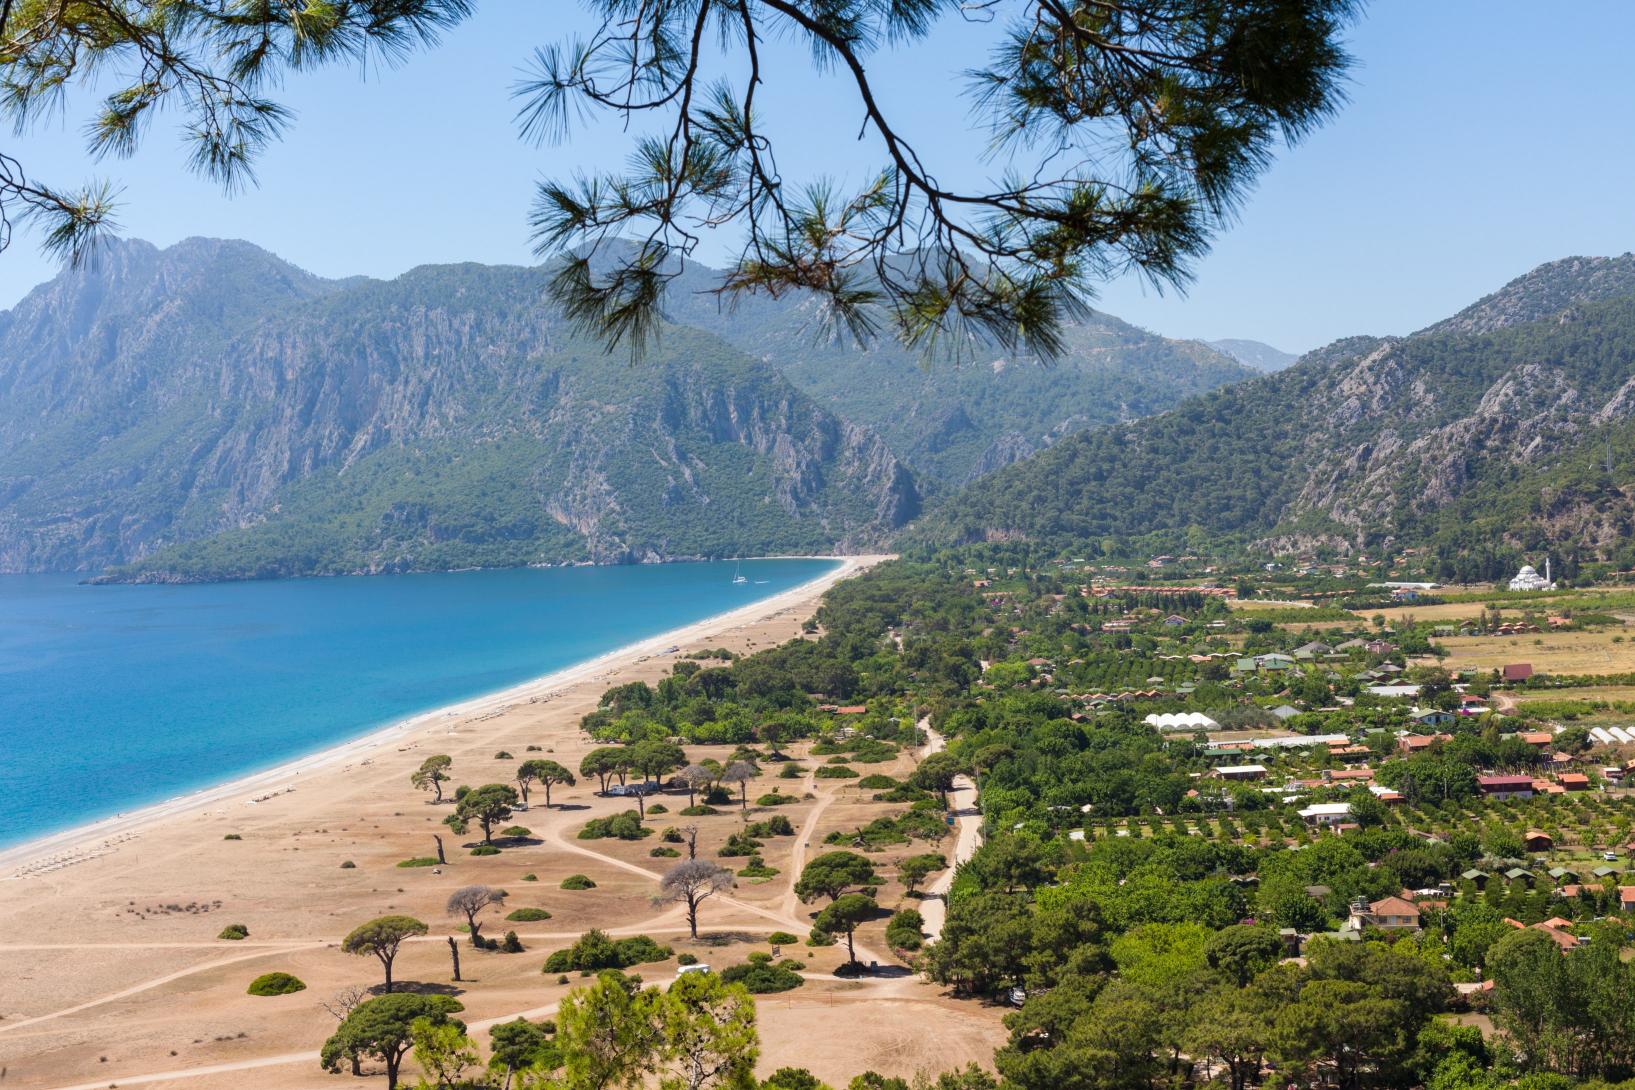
(115, 697)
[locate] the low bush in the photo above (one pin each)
(662, 852)
(502, 755)
(776, 825)
(782, 938)
(528, 915)
(626, 825)
(530, 877)
(762, 977)
(686, 959)
(512, 944)
(234, 932)
(577, 881)
(276, 984)
(232, 836)
(757, 868)
(905, 931)
(595, 950)
(672, 835)
(794, 770)
(420, 861)
(485, 849)
(773, 798)
(698, 811)
(836, 772)
(658, 808)
(516, 830)
(348, 865)
(877, 782)
(740, 844)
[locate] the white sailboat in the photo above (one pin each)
(737, 573)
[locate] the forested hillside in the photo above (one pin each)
(1505, 427)
(954, 420)
(209, 411)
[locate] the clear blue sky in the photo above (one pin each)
(1482, 138)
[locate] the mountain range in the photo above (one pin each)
(1260, 356)
(1507, 427)
(211, 411)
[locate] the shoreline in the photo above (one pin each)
(84, 840)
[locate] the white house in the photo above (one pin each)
(1326, 813)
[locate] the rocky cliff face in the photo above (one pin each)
(1508, 425)
(211, 411)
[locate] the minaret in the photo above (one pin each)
(1547, 580)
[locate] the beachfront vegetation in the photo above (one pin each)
(385, 1028)
(692, 882)
(469, 901)
(432, 775)
(595, 950)
(380, 938)
(487, 806)
(276, 984)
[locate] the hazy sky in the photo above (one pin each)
(1482, 138)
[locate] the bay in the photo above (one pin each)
(114, 697)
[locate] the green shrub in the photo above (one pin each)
(877, 782)
(905, 931)
(662, 852)
(762, 977)
(672, 835)
(718, 796)
(530, 877)
(626, 825)
(776, 825)
(658, 808)
(232, 836)
(836, 772)
(740, 844)
(782, 938)
(485, 849)
(773, 798)
(577, 881)
(512, 944)
(276, 984)
(348, 865)
(502, 755)
(757, 868)
(819, 937)
(594, 950)
(698, 811)
(528, 915)
(794, 770)
(420, 861)
(516, 830)
(234, 932)
(686, 959)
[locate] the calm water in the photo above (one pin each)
(115, 697)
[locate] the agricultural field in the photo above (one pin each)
(1608, 651)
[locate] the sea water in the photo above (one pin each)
(115, 697)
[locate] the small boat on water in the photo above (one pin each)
(738, 574)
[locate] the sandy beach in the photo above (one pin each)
(116, 975)
(78, 841)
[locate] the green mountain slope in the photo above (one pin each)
(954, 422)
(1482, 433)
(209, 411)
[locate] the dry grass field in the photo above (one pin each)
(1549, 652)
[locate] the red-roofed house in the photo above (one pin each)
(1537, 840)
(1506, 787)
(1517, 671)
(1387, 913)
(1574, 781)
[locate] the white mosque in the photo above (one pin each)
(1529, 578)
